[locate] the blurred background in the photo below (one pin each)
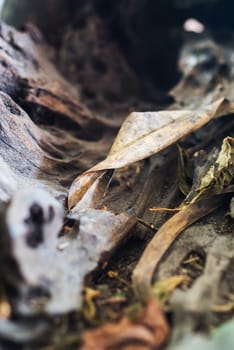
(149, 33)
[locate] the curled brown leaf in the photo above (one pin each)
(145, 134)
(149, 331)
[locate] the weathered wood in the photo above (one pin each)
(61, 143)
(50, 270)
(47, 137)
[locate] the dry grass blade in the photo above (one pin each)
(144, 271)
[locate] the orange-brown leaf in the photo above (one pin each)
(148, 332)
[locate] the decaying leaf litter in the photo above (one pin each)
(65, 249)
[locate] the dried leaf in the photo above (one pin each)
(162, 289)
(145, 134)
(223, 308)
(219, 175)
(166, 235)
(148, 331)
(88, 189)
(5, 308)
(198, 203)
(89, 309)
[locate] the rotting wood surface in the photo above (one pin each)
(48, 137)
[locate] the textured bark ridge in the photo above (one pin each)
(47, 138)
(60, 144)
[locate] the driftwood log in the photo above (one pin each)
(52, 130)
(47, 138)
